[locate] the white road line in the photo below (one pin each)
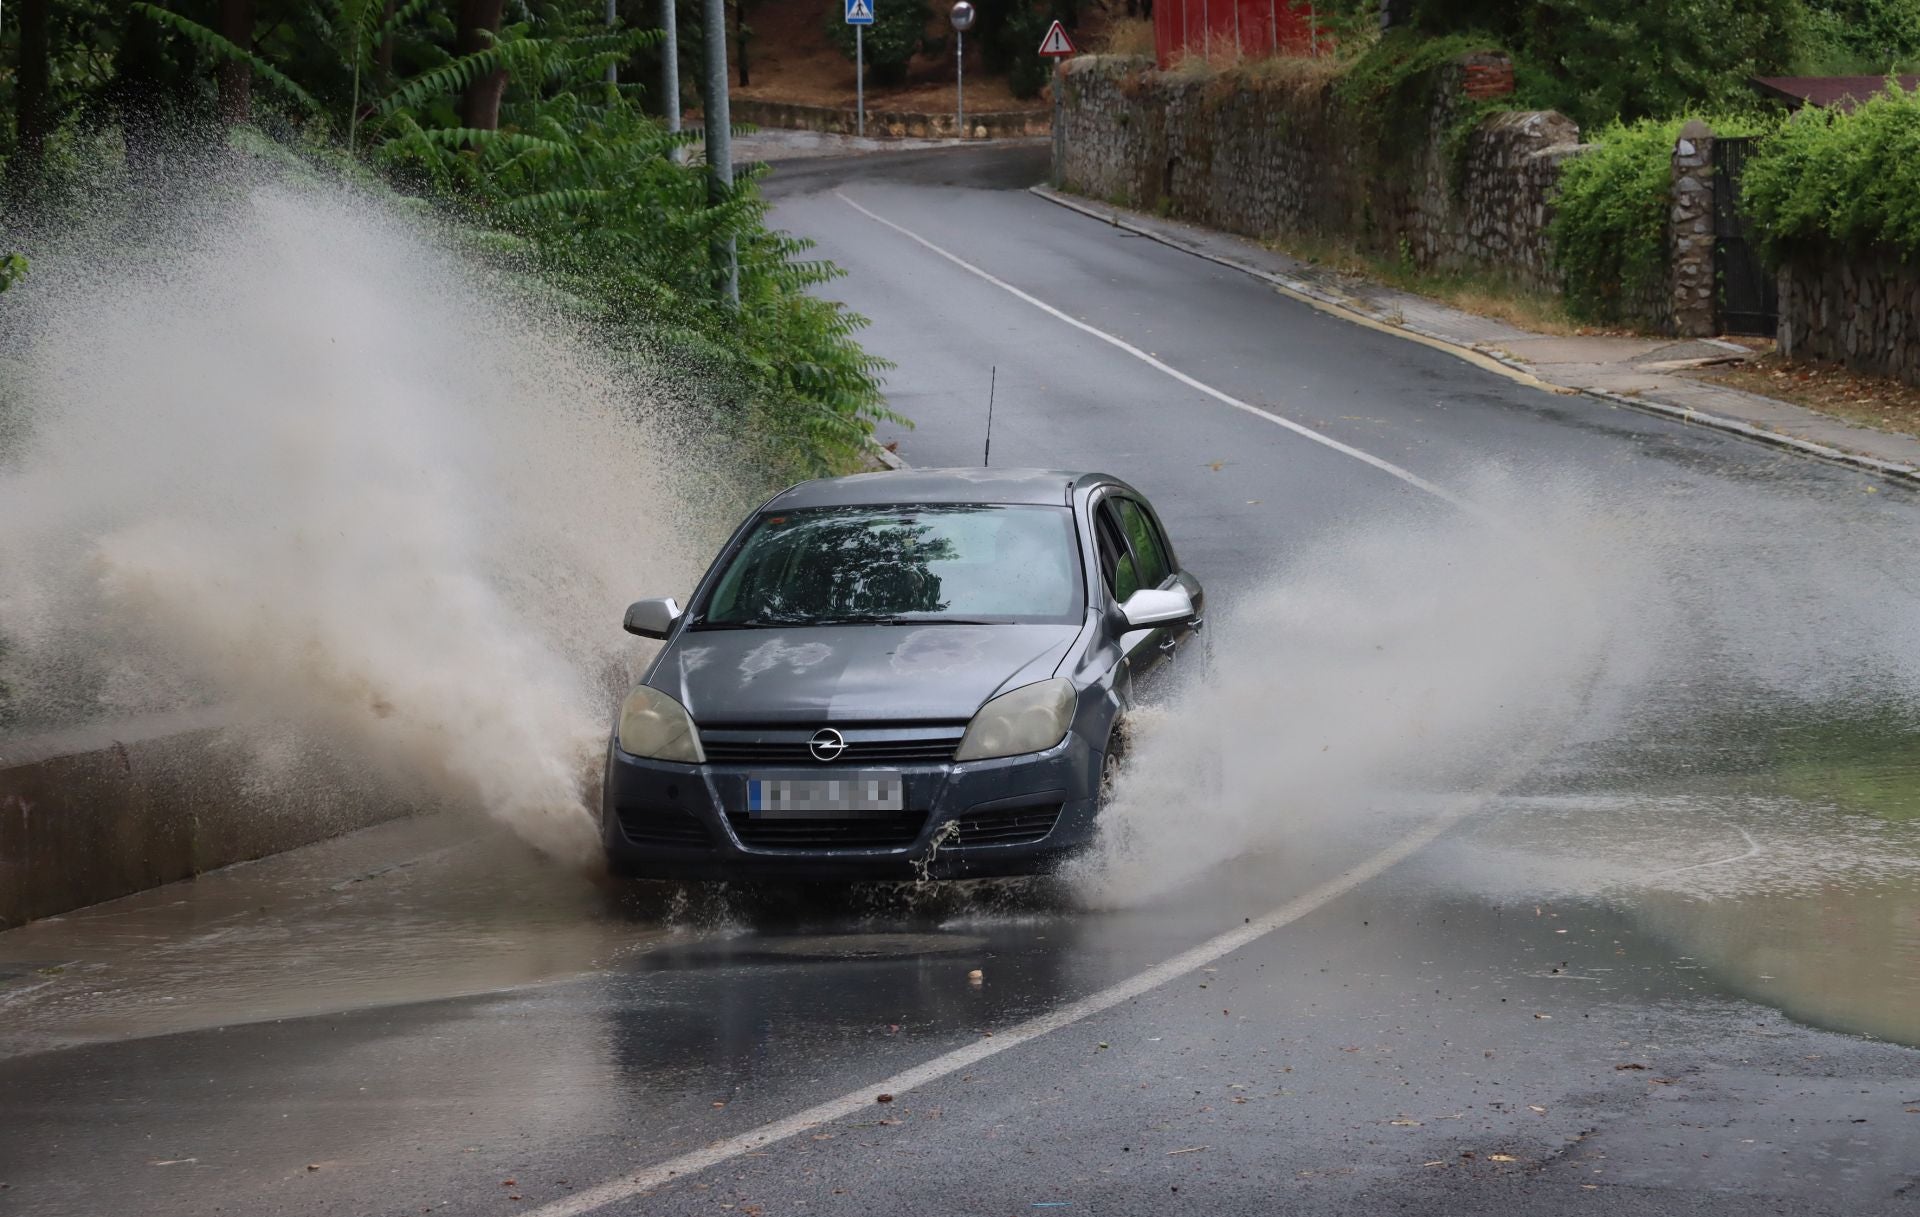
(1385, 466)
(642, 1182)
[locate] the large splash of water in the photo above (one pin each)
(287, 454)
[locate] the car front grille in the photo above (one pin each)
(920, 744)
(1015, 826)
(671, 827)
(892, 831)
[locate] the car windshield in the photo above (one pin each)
(898, 565)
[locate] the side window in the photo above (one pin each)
(1149, 554)
(1116, 564)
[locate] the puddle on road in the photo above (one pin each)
(333, 927)
(1811, 906)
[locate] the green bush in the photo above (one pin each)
(1610, 219)
(1609, 228)
(899, 27)
(1827, 177)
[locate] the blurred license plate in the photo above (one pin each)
(801, 798)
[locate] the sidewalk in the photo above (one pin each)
(1639, 373)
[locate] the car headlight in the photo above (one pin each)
(1032, 718)
(654, 725)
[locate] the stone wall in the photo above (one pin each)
(792, 116)
(1285, 156)
(1860, 310)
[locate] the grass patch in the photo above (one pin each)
(1873, 401)
(1481, 294)
(1127, 36)
(1228, 66)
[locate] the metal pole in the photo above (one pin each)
(1059, 125)
(613, 18)
(719, 135)
(960, 83)
(860, 79)
(670, 69)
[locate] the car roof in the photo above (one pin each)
(1053, 487)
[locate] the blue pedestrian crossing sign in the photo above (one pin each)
(859, 12)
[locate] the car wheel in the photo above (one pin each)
(1112, 765)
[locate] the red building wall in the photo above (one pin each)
(1216, 27)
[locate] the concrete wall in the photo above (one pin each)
(1856, 309)
(1286, 157)
(92, 815)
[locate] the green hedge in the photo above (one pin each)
(1610, 219)
(1828, 178)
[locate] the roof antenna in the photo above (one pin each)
(993, 377)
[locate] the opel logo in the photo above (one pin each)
(827, 744)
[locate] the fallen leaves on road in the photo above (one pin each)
(1629, 1065)
(1502, 1158)
(883, 1098)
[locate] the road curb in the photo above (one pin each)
(1308, 293)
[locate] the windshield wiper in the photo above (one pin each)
(802, 622)
(898, 621)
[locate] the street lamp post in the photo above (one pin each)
(962, 19)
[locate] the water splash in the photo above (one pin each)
(288, 453)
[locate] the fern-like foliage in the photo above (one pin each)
(219, 47)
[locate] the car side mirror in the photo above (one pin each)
(652, 618)
(1151, 606)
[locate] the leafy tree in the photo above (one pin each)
(511, 126)
(1861, 37)
(898, 30)
(1598, 60)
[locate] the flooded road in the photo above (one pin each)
(1570, 860)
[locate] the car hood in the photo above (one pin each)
(857, 673)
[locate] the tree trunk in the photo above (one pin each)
(236, 78)
(740, 38)
(33, 118)
(480, 105)
(383, 58)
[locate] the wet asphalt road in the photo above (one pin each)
(1548, 1010)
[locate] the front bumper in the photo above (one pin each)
(1012, 816)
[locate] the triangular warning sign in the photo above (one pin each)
(858, 11)
(1056, 42)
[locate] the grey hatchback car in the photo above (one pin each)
(921, 672)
